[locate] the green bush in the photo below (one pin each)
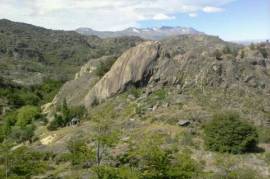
(65, 116)
(20, 134)
(155, 159)
(264, 134)
(104, 67)
(267, 157)
(80, 152)
(227, 133)
(26, 115)
(108, 172)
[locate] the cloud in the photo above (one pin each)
(102, 14)
(210, 9)
(161, 16)
(193, 14)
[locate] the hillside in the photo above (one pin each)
(185, 107)
(29, 54)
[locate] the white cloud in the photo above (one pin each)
(161, 16)
(102, 14)
(211, 9)
(193, 14)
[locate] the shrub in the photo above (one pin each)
(264, 135)
(104, 67)
(22, 134)
(107, 172)
(55, 123)
(26, 115)
(218, 54)
(80, 153)
(267, 157)
(227, 133)
(155, 160)
(26, 162)
(67, 113)
(184, 167)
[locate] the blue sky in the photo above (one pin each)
(240, 20)
(229, 19)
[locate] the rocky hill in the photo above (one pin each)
(186, 63)
(172, 88)
(29, 54)
(188, 106)
(145, 33)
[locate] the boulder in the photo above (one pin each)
(184, 123)
(134, 67)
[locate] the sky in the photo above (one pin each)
(230, 19)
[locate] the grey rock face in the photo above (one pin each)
(184, 63)
(134, 67)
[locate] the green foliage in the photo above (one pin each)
(267, 157)
(65, 115)
(104, 67)
(264, 134)
(263, 51)
(218, 54)
(57, 122)
(26, 115)
(226, 50)
(20, 134)
(242, 54)
(156, 160)
(108, 172)
(80, 152)
(19, 124)
(105, 136)
(136, 92)
(184, 167)
(23, 162)
(252, 46)
(36, 95)
(229, 169)
(236, 136)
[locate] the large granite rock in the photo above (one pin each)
(134, 67)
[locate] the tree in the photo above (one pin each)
(227, 133)
(242, 54)
(105, 136)
(26, 115)
(226, 50)
(6, 154)
(252, 46)
(80, 152)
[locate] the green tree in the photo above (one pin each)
(105, 135)
(5, 155)
(252, 46)
(26, 115)
(103, 67)
(227, 50)
(227, 133)
(80, 152)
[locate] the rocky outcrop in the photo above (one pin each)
(134, 67)
(186, 62)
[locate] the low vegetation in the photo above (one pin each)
(227, 133)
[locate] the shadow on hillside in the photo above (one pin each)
(257, 149)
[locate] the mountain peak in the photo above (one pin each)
(154, 33)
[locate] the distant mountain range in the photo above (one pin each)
(145, 33)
